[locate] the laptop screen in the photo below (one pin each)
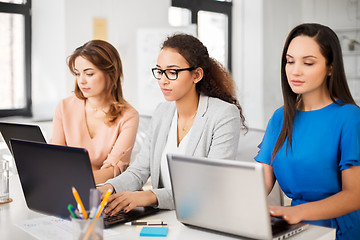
(48, 173)
(21, 131)
(223, 195)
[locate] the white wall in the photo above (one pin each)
(260, 28)
(247, 57)
(48, 56)
(59, 26)
(280, 16)
(259, 31)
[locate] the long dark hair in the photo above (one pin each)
(217, 80)
(336, 83)
(105, 57)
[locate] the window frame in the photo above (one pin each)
(25, 10)
(211, 6)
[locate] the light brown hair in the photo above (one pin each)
(106, 58)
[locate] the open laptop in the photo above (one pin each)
(47, 174)
(21, 131)
(224, 195)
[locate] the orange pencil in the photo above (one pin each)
(78, 200)
(103, 202)
(98, 213)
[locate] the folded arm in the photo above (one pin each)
(119, 157)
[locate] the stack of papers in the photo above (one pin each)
(53, 228)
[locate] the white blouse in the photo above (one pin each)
(171, 147)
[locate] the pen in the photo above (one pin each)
(102, 204)
(147, 223)
(78, 200)
(77, 213)
(70, 208)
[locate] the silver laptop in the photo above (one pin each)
(225, 195)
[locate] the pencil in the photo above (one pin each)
(90, 229)
(98, 213)
(78, 200)
(103, 202)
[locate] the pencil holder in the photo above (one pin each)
(87, 229)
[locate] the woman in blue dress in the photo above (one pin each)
(312, 144)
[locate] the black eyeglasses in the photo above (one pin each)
(171, 74)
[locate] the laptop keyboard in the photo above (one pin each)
(279, 225)
(122, 217)
(119, 217)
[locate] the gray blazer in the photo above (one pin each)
(215, 134)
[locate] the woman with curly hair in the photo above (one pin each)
(201, 117)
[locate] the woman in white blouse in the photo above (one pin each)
(201, 117)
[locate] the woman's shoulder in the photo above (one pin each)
(71, 100)
(70, 103)
(129, 110)
(349, 108)
(277, 117)
(278, 113)
(217, 105)
(163, 112)
(348, 112)
(217, 102)
(128, 113)
(163, 108)
(69, 108)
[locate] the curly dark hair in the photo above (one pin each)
(217, 80)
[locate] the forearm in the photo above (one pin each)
(339, 204)
(150, 198)
(269, 177)
(164, 198)
(130, 180)
(102, 175)
(126, 138)
(334, 206)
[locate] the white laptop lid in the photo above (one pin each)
(223, 195)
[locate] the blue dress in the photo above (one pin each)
(325, 142)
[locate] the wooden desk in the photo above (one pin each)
(17, 211)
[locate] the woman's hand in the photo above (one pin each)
(127, 201)
(119, 167)
(104, 188)
(291, 215)
(122, 166)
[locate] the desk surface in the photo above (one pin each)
(17, 211)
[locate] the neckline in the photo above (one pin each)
(174, 125)
(86, 126)
(323, 108)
